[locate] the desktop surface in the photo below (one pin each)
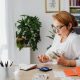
(13, 73)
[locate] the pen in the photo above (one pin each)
(6, 64)
(11, 63)
(56, 54)
(2, 64)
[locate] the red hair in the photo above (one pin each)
(66, 18)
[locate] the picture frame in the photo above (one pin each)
(52, 6)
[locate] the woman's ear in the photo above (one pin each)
(69, 26)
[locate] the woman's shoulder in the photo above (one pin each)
(74, 36)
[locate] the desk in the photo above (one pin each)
(13, 74)
(56, 67)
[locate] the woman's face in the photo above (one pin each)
(61, 29)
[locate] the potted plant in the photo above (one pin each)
(28, 32)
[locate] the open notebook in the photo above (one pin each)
(27, 67)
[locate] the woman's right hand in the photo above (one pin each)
(43, 58)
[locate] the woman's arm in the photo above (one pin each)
(71, 63)
(63, 61)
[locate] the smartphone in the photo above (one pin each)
(56, 54)
(45, 69)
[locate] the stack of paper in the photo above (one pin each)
(27, 67)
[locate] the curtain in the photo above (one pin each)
(3, 31)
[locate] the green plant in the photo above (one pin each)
(28, 32)
(52, 35)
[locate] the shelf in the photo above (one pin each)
(75, 14)
(74, 9)
(74, 6)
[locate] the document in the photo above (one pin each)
(68, 78)
(58, 74)
(40, 76)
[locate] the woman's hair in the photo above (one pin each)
(66, 18)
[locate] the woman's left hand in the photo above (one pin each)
(62, 60)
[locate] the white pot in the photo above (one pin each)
(23, 56)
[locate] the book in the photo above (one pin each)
(77, 2)
(75, 10)
(74, 2)
(71, 2)
(27, 67)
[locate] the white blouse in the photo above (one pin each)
(70, 47)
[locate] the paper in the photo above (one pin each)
(40, 76)
(59, 74)
(27, 67)
(67, 78)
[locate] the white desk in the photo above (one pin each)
(13, 74)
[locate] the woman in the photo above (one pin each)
(66, 42)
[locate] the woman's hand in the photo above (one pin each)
(43, 58)
(62, 60)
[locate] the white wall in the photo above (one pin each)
(33, 8)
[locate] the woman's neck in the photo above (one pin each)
(63, 38)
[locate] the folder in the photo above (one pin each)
(77, 69)
(72, 71)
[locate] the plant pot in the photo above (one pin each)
(23, 56)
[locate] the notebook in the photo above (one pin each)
(27, 67)
(72, 71)
(77, 70)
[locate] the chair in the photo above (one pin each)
(77, 30)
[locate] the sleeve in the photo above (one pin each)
(49, 52)
(76, 48)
